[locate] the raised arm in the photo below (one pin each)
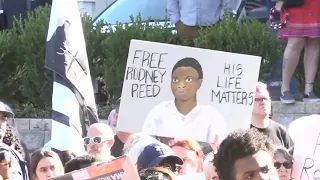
(173, 11)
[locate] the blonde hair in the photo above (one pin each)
(134, 139)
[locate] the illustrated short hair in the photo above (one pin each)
(238, 145)
(189, 62)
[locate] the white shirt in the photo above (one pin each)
(202, 123)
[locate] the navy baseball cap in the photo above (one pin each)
(154, 154)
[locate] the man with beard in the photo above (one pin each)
(261, 121)
(99, 141)
(18, 169)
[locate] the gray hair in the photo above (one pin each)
(281, 151)
(134, 139)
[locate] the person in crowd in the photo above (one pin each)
(27, 157)
(260, 118)
(301, 31)
(113, 116)
(19, 169)
(111, 120)
(45, 164)
(99, 140)
(5, 164)
(184, 112)
(135, 145)
(245, 154)
(135, 139)
(191, 154)
(66, 156)
(189, 16)
(121, 137)
(81, 162)
(283, 161)
(156, 173)
(158, 154)
(209, 169)
(11, 139)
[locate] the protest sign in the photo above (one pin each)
(186, 93)
(305, 133)
(118, 169)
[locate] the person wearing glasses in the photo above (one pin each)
(183, 117)
(99, 140)
(283, 161)
(261, 121)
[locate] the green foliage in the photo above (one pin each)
(11, 69)
(116, 46)
(27, 82)
(249, 37)
(35, 84)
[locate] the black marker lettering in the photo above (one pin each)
(145, 58)
(135, 57)
(317, 144)
(305, 168)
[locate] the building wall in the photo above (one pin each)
(36, 132)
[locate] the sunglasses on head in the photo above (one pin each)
(286, 165)
(95, 140)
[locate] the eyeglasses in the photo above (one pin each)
(95, 140)
(261, 99)
(286, 165)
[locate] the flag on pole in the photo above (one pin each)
(73, 102)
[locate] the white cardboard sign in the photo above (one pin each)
(188, 93)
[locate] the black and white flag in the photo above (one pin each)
(73, 102)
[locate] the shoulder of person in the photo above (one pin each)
(16, 158)
(276, 125)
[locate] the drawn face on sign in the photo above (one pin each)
(186, 79)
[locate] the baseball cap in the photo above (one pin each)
(6, 110)
(154, 153)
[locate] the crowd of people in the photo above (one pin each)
(263, 151)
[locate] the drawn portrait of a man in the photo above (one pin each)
(184, 117)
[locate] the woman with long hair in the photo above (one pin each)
(45, 164)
